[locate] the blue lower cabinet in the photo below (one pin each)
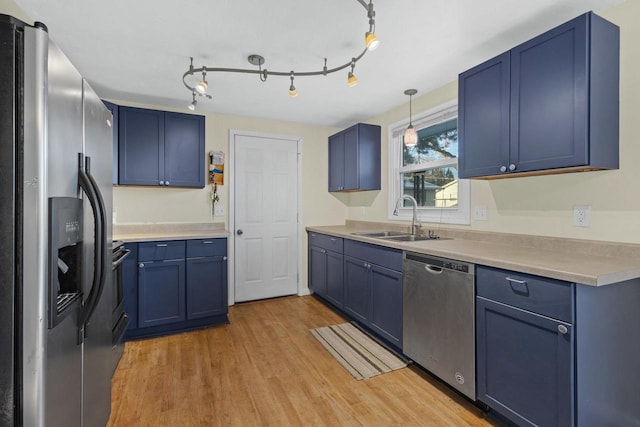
(335, 280)
(318, 270)
(161, 287)
(386, 300)
(525, 365)
(357, 289)
(205, 295)
(175, 286)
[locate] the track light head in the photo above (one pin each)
(371, 41)
(202, 86)
(293, 92)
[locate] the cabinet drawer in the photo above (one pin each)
(331, 243)
(161, 250)
(206, 247)
(548, 297)
(382, 256)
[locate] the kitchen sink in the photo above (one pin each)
(410, 238)
(380, 233)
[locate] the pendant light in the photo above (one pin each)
(410, 135)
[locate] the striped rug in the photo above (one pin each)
(356, 351)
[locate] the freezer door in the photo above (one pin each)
(98, 146)
(63, 362)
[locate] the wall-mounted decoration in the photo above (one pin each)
(216, 167)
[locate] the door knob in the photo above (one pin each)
(239, 232)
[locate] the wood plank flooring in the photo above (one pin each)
(266, 369)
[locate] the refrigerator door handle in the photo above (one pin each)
(90, 187)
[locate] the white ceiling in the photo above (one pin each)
(138, 50)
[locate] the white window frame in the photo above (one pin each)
(456, 215)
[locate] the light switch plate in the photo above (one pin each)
(480, 213)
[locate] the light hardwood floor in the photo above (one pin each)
(266, 369)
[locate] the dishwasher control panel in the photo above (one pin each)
(456, 266)
(438, 262)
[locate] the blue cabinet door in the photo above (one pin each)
(161, 287)
(206, 286)
(184, 150)
(130, 285)
(483, 118)
(336, 162)
(335, 279)
(354, 159)
(114, 127)
(357, 288)
(141, 142)
(386, 310)
(318, 270)
(351, 155)
(525, 365)
(549, 99)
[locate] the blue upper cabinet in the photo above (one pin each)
(548, 105)
(354, 159)
(161, 148)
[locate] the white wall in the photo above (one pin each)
(544, 205)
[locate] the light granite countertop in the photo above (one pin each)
(581, 261)
(152, 232)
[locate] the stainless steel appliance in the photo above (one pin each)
(119, 318)
(55, 234)
(439, 318)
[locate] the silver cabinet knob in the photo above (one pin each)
(161, 182)
(512, 167)
(141, 265)
(239, 232)
(562, 329)
(166, 183)
(503, 168)
(224, 258)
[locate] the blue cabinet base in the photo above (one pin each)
(168, 329)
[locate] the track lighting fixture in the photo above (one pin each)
(293, 92)
(200, 89)
(193, 104)
(352, 80)
(410, 135)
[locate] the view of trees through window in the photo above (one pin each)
(430, 169)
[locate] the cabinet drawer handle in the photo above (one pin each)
(161, 245)
(334, 240)
(207, 242)
(518, 286)
(562, 329)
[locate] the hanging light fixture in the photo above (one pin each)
(352, 80)
(410, 135)
(293, 92)
(371, 42)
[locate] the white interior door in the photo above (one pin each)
(265, 217)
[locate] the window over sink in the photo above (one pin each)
(428, 171)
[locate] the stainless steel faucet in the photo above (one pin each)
(415, 211)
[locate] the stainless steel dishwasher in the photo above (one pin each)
(439, 318)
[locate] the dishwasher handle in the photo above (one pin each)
(433, 269)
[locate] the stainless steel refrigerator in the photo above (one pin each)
(55, 237)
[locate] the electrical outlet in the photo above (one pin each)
(219, 211)
(582, 215)
(480, 213)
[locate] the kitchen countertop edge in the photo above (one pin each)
(592, 270)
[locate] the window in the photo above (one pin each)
(429, 171)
